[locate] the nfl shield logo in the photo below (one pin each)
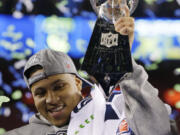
(109, 39)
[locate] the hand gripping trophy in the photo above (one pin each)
(108, 55)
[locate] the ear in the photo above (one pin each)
(78, 83)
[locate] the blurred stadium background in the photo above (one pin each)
(27, 26)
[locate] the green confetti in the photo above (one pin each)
(1, 3)
(17, 55)
(76, 132)
(17, 95)
(153, 66)
(177, 105)
(3, 99)
(177, 87)
(2, 131)
(87, 121)
(28, 52)
(81, 126)
(30, 42)
(92, 117)
(83, 74)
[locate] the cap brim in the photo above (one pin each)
(84, 80)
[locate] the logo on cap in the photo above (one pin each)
(68, 66)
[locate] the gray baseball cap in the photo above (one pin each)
(52, 62)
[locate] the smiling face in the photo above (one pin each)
(56, 96)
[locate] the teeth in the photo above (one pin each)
(57, 109)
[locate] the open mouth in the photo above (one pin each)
(56, 112)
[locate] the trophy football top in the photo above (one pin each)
(112, 9)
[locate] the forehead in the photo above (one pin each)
(50, 80)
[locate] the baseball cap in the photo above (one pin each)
(52, 62)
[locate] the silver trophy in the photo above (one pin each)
(108, 55)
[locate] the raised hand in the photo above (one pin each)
(125, 25)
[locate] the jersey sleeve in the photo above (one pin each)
(145, 112)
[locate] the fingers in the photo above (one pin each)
(126, 9)
(124, 21)
(125, 25)
(126, 31)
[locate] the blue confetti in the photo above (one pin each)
(150, 13)
(31, 114)
(177, 12)
(22, 107)
(174, 114)
(19, 83)
(5, 55)
(28, 95)
(14, 72)
(160, 1)
(1, 81)
(145, 60)
(25, 117)
(19, 6)
(7, 88)
(1, 110)
(89, 15)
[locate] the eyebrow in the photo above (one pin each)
(57, 81)
(53, 83)
(38, 89)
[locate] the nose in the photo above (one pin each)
(52, 98)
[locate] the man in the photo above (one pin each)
(133, 107)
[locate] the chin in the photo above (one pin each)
(60, 123)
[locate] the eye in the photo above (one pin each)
(40, 92)
(59, 86)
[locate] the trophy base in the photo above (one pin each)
(107, 80)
